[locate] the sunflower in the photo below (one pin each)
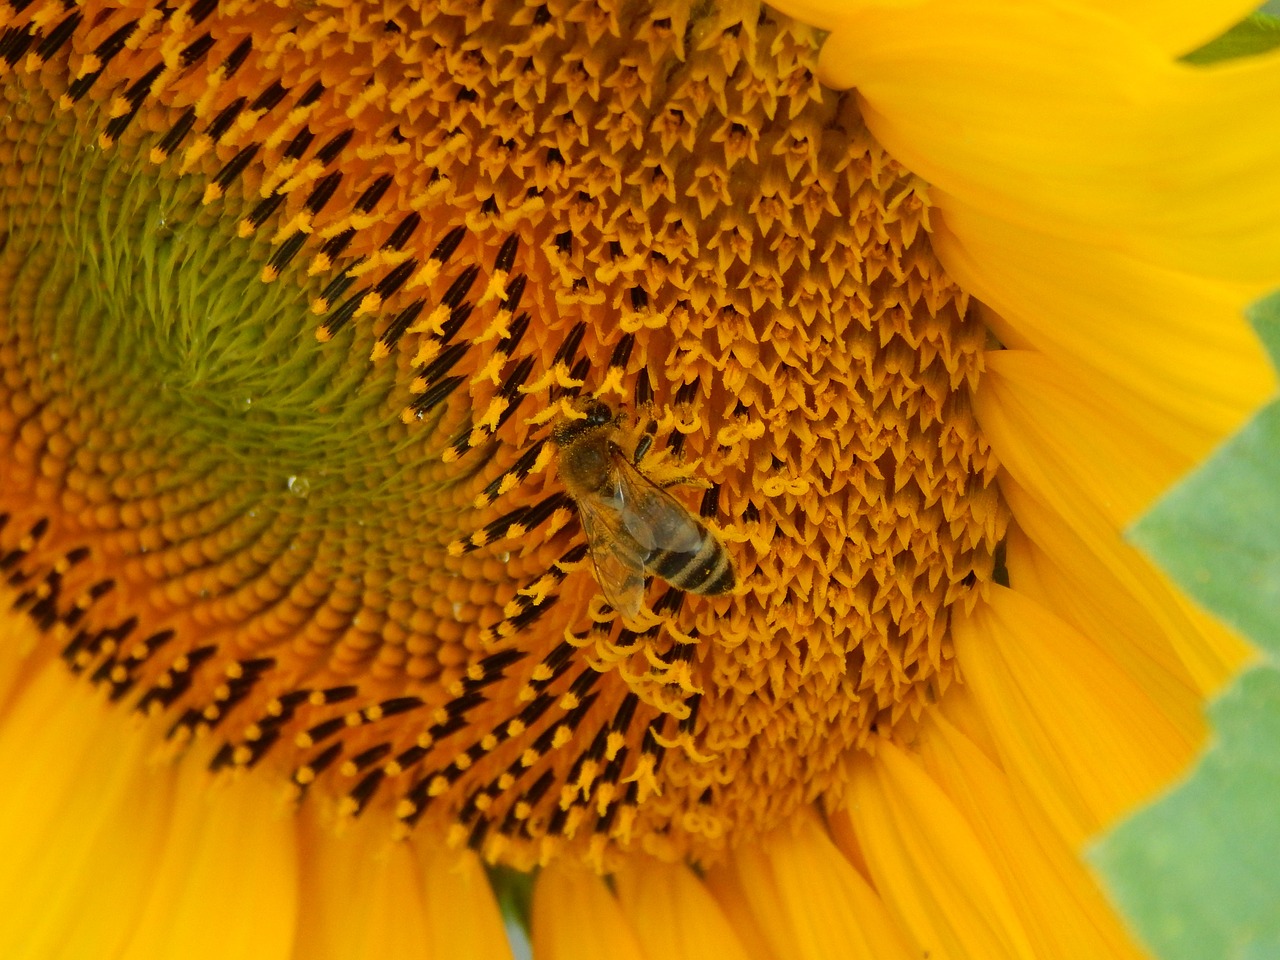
(903, 310)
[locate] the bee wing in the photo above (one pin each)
(618, 558)
(657, 520)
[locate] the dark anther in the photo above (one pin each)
(688, 723)
(337, 286)
(201, 10)
(58, 36)
(264, 209)
(435, 395)
(225, 118)
(269, 97)
(514, 291)
(235, 60)
(323, 192)
(448, 244)
(403, 320)
(311, 95)
(134, 95)
(372, 755)
(333, 247)
(445, 362)
(194, 52)
(324, 759)
(283, 255)
(622, 352)
(106, 51)
(329, 152)
(506, 257)
(177, 133)
(395, 279)
(376, 191)
(644, 389)
(403, 231)
(687, 392)
(460, 287)
(299, 144)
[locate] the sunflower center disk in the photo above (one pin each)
(287, 319)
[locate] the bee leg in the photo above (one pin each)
(645, 443)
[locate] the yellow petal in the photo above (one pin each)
(936, 878)
(1076, 441)
(1082, 458)
(673, 915)
(575, 917)
(80, 827)
(809, 901)
(1175, 27)
(1063, 119)
(1087, 595)
(361, 895)
(1057, 901)
(462, 917)
(1069, 722)
(1099, 307)
(1109, 590)
(725, 885)
(226, 881)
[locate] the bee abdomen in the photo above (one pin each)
(706, 570)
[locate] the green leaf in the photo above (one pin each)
(1265, 317)
(514, 892)
(1217, 532)
(1198, 874)
(1254, 35)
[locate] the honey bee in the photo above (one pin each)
(633, 526)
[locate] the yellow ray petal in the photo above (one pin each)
(18, 640)
(1057, 900)
(226, 882)
(933, 872)
(1055, 117)
(809, 901)
(75, 870)
(1088, 457)
(673, 915)
(1069, 722)
(361, 895)
(1115, 581)
(1075, 440)
(575, 917)
(1100, 307)
(457, 887)
(1094, 602)
(725, 885)
(1175, 28)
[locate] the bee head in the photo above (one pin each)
(595, 414)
